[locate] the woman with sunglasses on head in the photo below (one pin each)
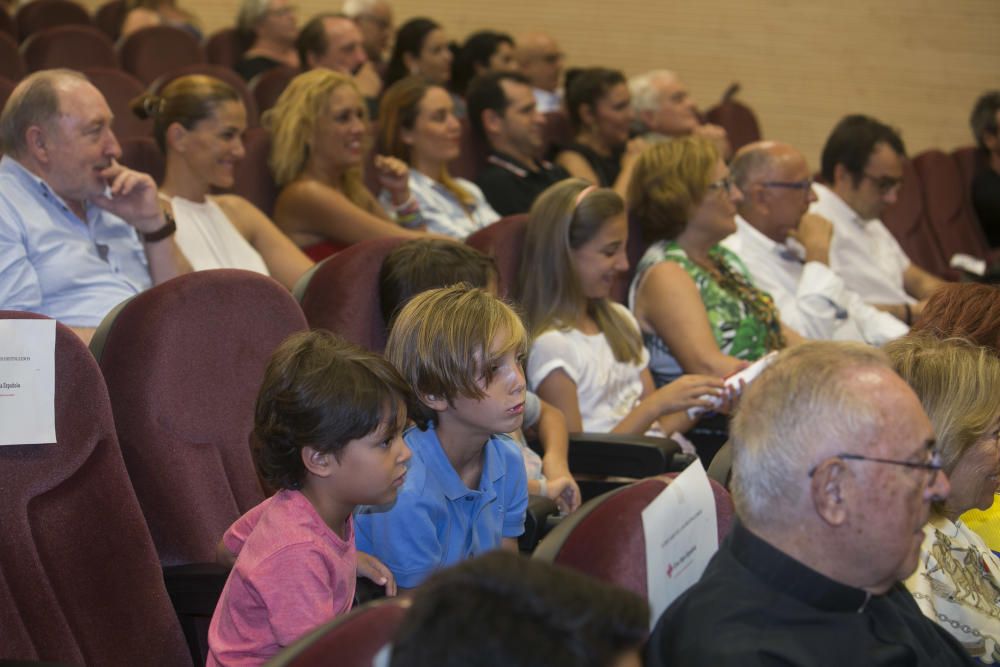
(957, 582)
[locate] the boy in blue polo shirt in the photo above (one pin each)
(460, 349)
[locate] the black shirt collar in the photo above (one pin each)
(791, 577)
(515, 167)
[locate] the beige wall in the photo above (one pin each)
(916, 64)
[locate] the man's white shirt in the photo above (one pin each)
(811, 298)
(863, 252)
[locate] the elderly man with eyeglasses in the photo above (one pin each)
(834, 473)
(787, 250)
(862, 165)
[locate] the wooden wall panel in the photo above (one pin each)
(916, 64)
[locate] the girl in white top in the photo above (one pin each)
(417, 124)
(198, 122)
(587, 357)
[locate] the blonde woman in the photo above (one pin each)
(319, 129)
(957, 582)
(417, 124)
(586, 356)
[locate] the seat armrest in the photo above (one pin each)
(616, 455)
(195, 588)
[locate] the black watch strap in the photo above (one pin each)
(163, 232)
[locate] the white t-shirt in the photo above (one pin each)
(864, 253)
(607, 389)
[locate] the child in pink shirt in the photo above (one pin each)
(328, 433)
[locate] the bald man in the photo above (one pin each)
(334, 41)
(540, 59)
(788, 251)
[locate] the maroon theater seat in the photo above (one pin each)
(119, 89)
(183, 363)
(738, 119)
(80, 582)
(224, 74)
(11, 64)
(907, 220)
(38, 15)
(504, 241)
(6, 88)
(341, 293)
(142, 154)
(151, 52)
(109, 17)
(268, 86)
(604, 538)
(948, 206)
(7, 25)
(252, 176)
(73, 46)
(355, 638)
(558, 131)
(472, 154)
(224, 47)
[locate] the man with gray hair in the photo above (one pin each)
(787, 250)
(664, 109)
(374, 19)
(79, 233)
(834, 472)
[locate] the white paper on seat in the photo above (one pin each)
(27, 382)
(681, 537)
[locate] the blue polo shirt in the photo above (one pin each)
(436, 520)
(54, 263)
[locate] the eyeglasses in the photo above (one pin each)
(934, 465)
(804, 185)
(725, 184)
(883, 183)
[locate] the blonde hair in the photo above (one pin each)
(292, 123)
(803, 407)
(398, 111)
(668, 181)
(958, 384)
(558, 225)
(441, 343)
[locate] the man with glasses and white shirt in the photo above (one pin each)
(788, 251)
(834, 473)
(862, 163)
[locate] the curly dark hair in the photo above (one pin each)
(322, 392)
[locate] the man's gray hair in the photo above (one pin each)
(804, 407)
(354, 8)
(645, 96)
(35, 101)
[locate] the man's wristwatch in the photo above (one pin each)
(163, 232)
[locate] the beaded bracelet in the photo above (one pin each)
(408, 214)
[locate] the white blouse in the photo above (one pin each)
(209, 240)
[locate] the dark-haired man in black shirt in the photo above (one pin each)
(503, 115)
(834, 471)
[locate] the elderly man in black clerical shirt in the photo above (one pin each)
(834, 472)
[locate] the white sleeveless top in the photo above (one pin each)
(209, 240)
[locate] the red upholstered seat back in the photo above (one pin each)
(73, 46)
(269, 84)
(79, 579)
(11, 64)
(119, 89)
(341, 294)
(37, 15)
(907, 220)
(605, 539)
(252, 178)
(949, 210)
(739, 121)
(184, 362)
(151, 52)
(224, 47)
(110, 16)
(504, 241)
(354, 639)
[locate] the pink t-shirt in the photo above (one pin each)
(293, 573)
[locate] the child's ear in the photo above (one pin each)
(321, 464)
(434, 402)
